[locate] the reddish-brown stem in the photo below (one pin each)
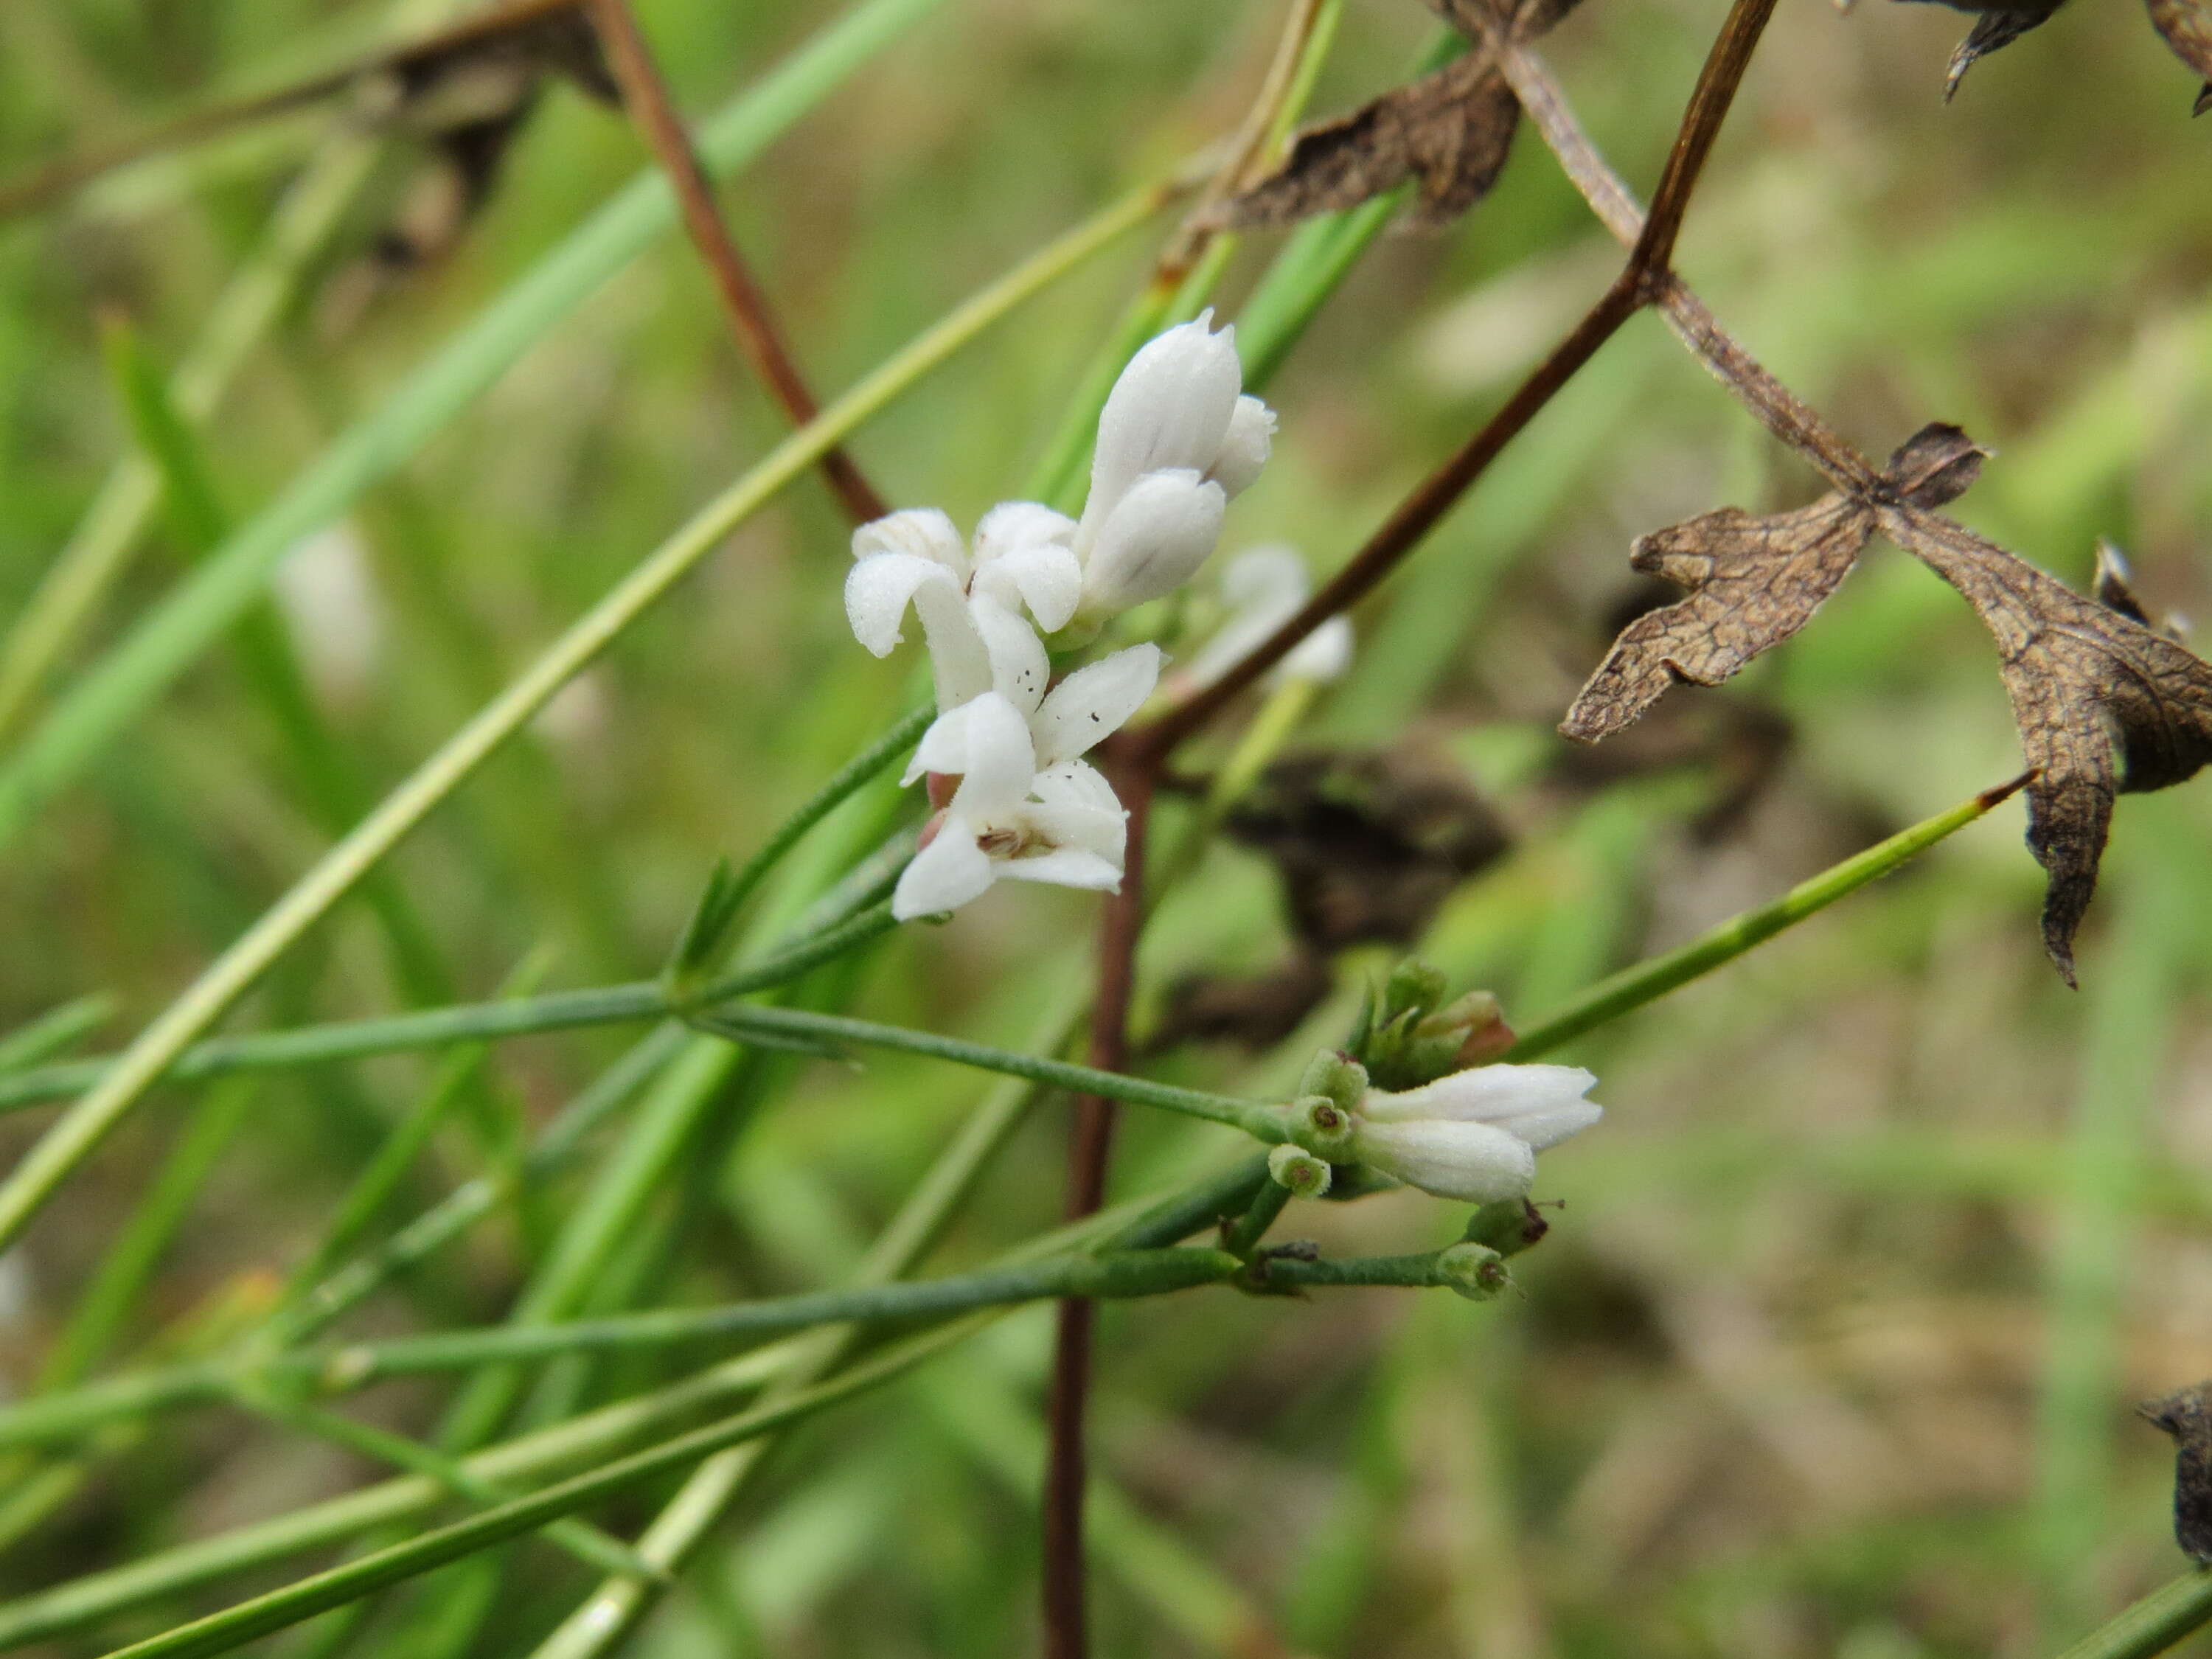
(1139, 760)
(1066, 1627)
(1779, 409)
(1645, 278)
(644, 95)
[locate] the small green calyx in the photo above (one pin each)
(1322, 1128)
(1473, 1271)
(1299, 1171)
(1337, 1075)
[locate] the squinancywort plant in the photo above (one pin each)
(1176, 438)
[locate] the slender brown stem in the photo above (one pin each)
(1653, 252)
(44, 183)
(1645, 279)
(1066, 1627)
(1779, 409)
(644, 95)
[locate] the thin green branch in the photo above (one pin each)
(80, 1130)
(474, 1022)
(2168, 1614)
(1647, 981)
(746, 1023)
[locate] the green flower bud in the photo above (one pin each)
(1413, 988)
(1322, 1127)
(1508, 1226)
(1306, 1175)
(1336, 1075)
(1473, 1271)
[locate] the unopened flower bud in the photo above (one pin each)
(1306, 1175)
(1474, 1026)
(1322, 1127)
(1413, 988)
(1336, 1074)
(1473, 1271)
(1508, 1226)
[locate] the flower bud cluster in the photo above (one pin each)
(1176, 438)
(1418, 1106)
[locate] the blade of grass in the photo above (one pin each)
(98, 550)
(87, 1123)
(322, 769)
(127, 681)
(1647, 981)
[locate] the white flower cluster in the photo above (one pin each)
(1177, 438)
(1475, 1134)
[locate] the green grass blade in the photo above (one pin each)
(111, 696)
(1647, 981)
(86, 1124)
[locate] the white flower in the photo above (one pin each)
(1177, 438)
(1473, 1135)
(969, 612)
(1027, 808)
(1265, 587)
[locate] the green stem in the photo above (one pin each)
(599, 1551)
(279, 1609)
(89, 1121)
(1647, 981)
(1114, 1274)
(474, 1022)
(2168, 1614)
(107, 699)
(748, 1023)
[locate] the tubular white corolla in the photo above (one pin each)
(1475, 1134)
(1177, 438)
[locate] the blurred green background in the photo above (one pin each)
(1833, 1346)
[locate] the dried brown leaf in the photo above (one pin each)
(1754, 579)
(2187, 1416)
(2186, 26)
(1991, 30)
(2105, 705)
(1451, 130)
(1368, 845)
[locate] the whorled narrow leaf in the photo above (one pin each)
(1450, 130)
(1753, 580)
(2105, 705)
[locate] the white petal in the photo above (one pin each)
(1472, 1161)
(1046, 576)
(1020, 667)
(1171, 408)
(1322, 656)
(1094, 701)
(1066, 867)
(1271, 575)
(944, 875)
(998, 764)
(877, 590)
(921, 531)
(1075, 807)
(943, 746)
(1264, 587)
(1153, 542)
(1540, 1104)
(1244, 451)
(1010, 527)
